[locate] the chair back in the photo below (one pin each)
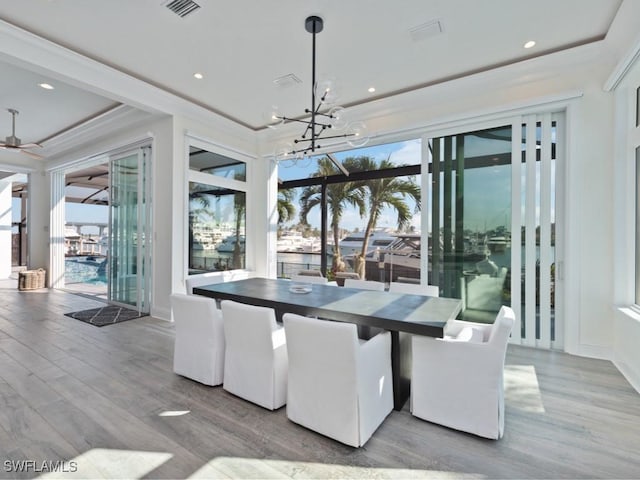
(215, 277)
(414, 289)
(364, 284)
(248, 328)
(309, 279)
(318, 350)
(502, 327)
(199, 345)
(195, 315)
(323, 382)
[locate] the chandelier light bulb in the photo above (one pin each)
(283, 152)
(337, 118)
(357, 134)
(327, 91)
(273, 118)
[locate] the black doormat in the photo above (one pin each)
(105, 315)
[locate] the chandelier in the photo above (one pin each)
(326, 115)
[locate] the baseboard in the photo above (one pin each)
(161, 313)
(632, 376)
(595, 351)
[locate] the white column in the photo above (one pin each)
(57, 229)
(38, 221)
(5, 229)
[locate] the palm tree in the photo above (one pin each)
(385, 192)
(286, 209)
(239, 208)
(339, 195)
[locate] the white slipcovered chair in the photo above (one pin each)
(339, 386)
(255, 364)
(484, 291)
(457, 381)
(215, 277)
(199, 338)
(414, 289)
(364, 284)
(309, 279)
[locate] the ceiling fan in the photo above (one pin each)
(14, 143)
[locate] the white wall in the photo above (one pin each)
(39, 189)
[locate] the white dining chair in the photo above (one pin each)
(199, 344)
(457, 381)
(309, 279)
(414, 289)
(339, 386)
(215, 277)
(364, 284)
(255, 363)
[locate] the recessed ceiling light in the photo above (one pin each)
(46, 86)
(198, 75)
(529, 44)
(371, 89)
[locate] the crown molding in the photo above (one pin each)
(113, 120)
(30, 51)
(622, 68)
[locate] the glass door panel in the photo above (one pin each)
(470, 234)
(129, 251)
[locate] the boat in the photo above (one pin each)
(399, 258)
(290, 241)
(402, 258)
(352, 243)
(229, 244)
(497, 243)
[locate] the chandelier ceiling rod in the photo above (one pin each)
(323, 94)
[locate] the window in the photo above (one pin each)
(364, 212)
(217, 205)
(201, 160)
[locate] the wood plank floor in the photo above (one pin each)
(107, 400)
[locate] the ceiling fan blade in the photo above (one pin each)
(32, 154)
(30, 145)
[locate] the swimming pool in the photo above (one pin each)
(89, 269)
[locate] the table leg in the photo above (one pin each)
(401, 368)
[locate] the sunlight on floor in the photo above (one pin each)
(232, 467)
(521, 389)
(106, 463)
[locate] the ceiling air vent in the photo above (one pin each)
(287, 80)
(426, 30)
(182, 7)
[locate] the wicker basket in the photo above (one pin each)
(32, 279)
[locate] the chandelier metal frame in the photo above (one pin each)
(320, 121)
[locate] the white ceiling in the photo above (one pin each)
(242, 46)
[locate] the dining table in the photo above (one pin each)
(401, 314)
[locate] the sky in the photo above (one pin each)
(401, 153)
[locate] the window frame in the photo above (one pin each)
(215, 181)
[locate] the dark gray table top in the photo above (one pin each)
(391, 311)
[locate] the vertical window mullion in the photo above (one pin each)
(545, 233)
(530, 233)
(516, 228)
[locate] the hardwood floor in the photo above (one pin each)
(106, 400)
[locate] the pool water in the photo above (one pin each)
(89, 269)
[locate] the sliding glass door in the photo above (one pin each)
(129, 230)
(492, 219)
